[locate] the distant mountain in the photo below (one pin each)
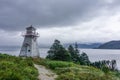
(110, 45)
(90, 45)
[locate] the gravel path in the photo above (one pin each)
(45, 74)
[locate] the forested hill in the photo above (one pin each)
(110, 45)
(85, 45)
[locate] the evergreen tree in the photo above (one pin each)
(72, 52)
(76, 49)
(58, 52)
(77, 54)
(113, 65)
(84, 60)
(77, 57)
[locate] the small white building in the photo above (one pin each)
(30, 46)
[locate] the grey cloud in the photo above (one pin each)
(17, 14)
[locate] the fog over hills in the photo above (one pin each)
(85, 45)
(80, 45)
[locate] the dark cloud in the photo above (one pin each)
(17, 14)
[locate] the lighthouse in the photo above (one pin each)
(30, 47)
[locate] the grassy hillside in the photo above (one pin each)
(15, 68)
(71, 71)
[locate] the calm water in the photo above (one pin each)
(94, 54)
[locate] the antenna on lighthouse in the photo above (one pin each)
(30, 46)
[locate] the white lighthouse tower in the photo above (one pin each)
(30, 46)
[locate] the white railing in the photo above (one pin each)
(30, 34)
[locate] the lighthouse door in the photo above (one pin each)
(27, 49)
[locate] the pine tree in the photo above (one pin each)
(77, 54)
(58, 52)
(84, 60)
(72, 52)
(76, 48)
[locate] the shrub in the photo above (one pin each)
(58, 64)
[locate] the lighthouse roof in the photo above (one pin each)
(30, 28)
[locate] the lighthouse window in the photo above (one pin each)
(28, 50)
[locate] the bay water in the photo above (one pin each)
(94, 54)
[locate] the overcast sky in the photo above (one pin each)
(82, 21)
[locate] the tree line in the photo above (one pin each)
(109, 65)
(58, 52)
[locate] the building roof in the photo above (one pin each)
(30, 28)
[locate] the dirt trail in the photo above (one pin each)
(45, 74)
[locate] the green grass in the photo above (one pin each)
(58, 64)
(15, 68)
(71, 71)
